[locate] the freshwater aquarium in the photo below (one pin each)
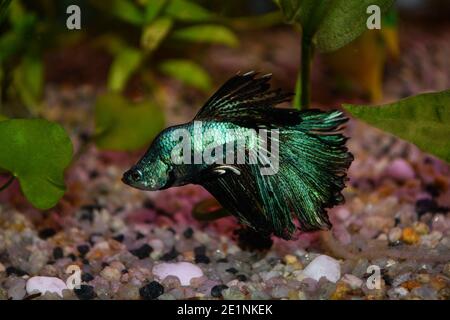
(224, 150)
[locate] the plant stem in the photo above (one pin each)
(305, 72)
(7, 184)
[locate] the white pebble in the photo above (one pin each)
(353, 281)
(45, 284)
(400, 170)
(184, 271)
(323, 266)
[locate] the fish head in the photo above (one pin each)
(155, 170)
(150, 175)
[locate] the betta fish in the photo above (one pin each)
(266, 165)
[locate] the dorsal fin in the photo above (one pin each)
(242, 97)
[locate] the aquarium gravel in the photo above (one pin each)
(129, 244)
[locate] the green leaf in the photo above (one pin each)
(4, 4)
(153, 8)
(125, 63)
(308, 13)
(187, 72)
(36, 152)
(187, 11)
(345, 21)
(154, 33)
(209, 33)
(423, 120)
(122, 126)
(127, 11)
(29, 81)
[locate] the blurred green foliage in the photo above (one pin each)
(122, 125)
(171, 23)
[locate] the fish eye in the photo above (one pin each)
(136, 175)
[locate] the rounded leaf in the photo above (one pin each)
(187, 72)
(209, 33)
(36, 152)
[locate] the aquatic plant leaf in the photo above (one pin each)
(153, 8)
(308, 13)
(121, 125)
(209, 33)
(126, 61)
(344, 21)
(127, 11)
(423, 119)
(187, 11)
(187, 72)
(4, 4)
(36, 152)
(154, 33)
(29, 81)
(332, 24)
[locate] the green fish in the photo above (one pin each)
(265, 165)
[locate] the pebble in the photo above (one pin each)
(410, 236)
(128, 292)
(111, 274)
(353, 281)
(323, 266)
(280, 291)
(232, 293)
(151, 291)
(425, 292)
(85, 292)
(394, 234)
(142, 252)
(216, 291)
(2, 267)
(400, 170)
(45, 284)
(185, 271)
(16, 289)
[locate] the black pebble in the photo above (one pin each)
(47, 233)
(241, 277)
(429, 205)
(85, 262)
(433, 190)
(142, 252)
(172, 254)
(93, 174)
(232, 270)
(216, 291)
(87, 212)
(13, 270)
(188, 233)
(87, 277)
(201, 258)
(58, 253)
(72, 256)
(83, 249)
(85, 292)
(139, 236)
(151, 291)
(200, 250)
(119, 237)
